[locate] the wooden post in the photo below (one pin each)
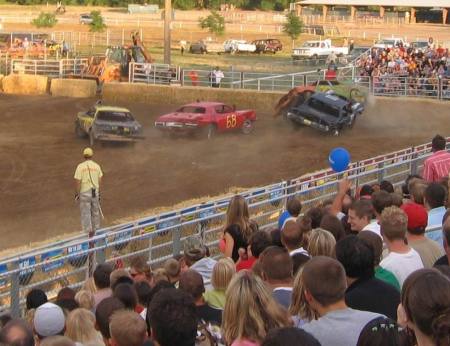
(444, 15)
(167, 20)
(382, 9)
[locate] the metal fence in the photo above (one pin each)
(53, 68)
(160, 237)
(154, 73)
(259, 81)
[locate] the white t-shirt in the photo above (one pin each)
(402, 264)
(374, 227)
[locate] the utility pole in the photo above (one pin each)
(167, 20)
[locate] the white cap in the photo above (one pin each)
(49, 320)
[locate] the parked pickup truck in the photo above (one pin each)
(316, 49)
(235, 46)
(390, 43)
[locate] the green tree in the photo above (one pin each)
(215, 23)
(45, 20)
(293, 26)
(97, 25)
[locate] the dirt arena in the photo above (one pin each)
(39, 153)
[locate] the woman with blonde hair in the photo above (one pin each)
(89, 285)
(299, 309)
(250, 311)
(321, 243)
(238, 228)
(222, 273)
(85, 299)
(80, 327)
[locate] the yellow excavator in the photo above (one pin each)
(114, 65)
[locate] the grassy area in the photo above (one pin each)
(267, 63)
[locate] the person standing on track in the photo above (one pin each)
(88, 176)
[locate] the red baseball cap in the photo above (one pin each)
(417, 215)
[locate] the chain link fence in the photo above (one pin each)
(159, 237)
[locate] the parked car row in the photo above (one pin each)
(236, 46)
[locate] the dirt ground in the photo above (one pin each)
(39, 153)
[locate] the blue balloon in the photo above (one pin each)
(339, 159)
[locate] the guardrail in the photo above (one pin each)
(161, 236)
(53, 68)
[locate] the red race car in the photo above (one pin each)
(207, 118)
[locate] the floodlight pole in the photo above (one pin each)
(167, 20)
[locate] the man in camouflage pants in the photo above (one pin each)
(88, 176)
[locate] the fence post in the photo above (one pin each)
(242, 80)
(100, 256)
(176, 241)
(304, 80)
(35, 67)
(440, 88)
(61, 68)
(181, 76)
(130, 73)
(413, 167)
(380, 174)
(107, 37)
(15, 291)
(259, 84)
(292, 81)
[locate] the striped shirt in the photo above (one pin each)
(437, 166)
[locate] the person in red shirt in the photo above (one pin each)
(259, 241)
(437, 166)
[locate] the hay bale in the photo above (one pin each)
(73, 87)
(25, 84)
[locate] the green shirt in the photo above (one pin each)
(215, 298)
(386, 276)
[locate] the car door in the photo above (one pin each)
(227, 119)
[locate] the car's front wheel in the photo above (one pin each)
(247, 127)
(79, 132)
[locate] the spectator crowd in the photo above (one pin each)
(414, 70)
(357, 269)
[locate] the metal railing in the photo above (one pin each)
(159, 237)
(260, 81)
(153, 73)
(53, 68)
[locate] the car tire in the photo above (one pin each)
(210, 131)
(247, 127)
(79, 132)
(91, 138)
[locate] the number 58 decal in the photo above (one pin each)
(231, 121)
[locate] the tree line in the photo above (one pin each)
(277, 5)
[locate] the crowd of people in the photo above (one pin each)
(358, 269)
(416, 71)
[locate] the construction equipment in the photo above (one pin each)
(114, 65)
